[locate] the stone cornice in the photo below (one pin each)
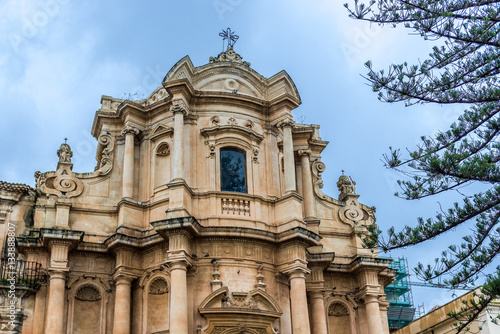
(191, 225)
(362, 263)
(320, 259)
(53, 235)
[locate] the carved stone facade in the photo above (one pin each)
(204, 215)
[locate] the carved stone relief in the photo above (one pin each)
(351, 213)
(337, 310)
(88, 293)
(163, 150)
(64, 153)
(229, 55)
(249, 124)
(62, 182)
(214, 120)
(158, 287)
(255, 155)
(211, 153)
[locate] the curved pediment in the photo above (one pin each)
(232, 76)
(232, 128)
(256, 302)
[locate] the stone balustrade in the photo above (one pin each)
(234, 206)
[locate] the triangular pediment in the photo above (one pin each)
(182, 70)
(161, 131)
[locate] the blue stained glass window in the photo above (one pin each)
(232, 170)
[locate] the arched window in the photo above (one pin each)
(232, 170)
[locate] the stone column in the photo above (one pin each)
(307, 185)
(289, 161)
(178, 109)
(179, 302)
(298, 301)
(128, 161)
(374, 319)
(318, 314)
(54, 322)
(121, 321)
(58, 268)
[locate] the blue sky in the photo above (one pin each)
(57, 57)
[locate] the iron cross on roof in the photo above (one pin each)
(230, 36)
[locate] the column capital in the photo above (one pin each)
(305, 153)
(179, 262)
(296, 270)
(370, 298)
(316, 293)
(55, 273)
(60, 243)
(130, 129)
(179, 106)
(287, 122)
(123, 278)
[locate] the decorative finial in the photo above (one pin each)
(342, 172)
(65, 140)
(230, 36)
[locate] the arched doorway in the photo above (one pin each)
(239, 312)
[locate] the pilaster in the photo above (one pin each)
(288, 156)
(128, 160)
(179, 109)
(307, 186)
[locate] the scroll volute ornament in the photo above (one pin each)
(105, 153)
(318, 167)
(351, 213)
(63, 182)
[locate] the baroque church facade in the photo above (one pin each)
(205, 215)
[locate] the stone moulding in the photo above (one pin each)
(191, 225)
(232, 128)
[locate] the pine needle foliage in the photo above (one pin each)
(464, 70)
